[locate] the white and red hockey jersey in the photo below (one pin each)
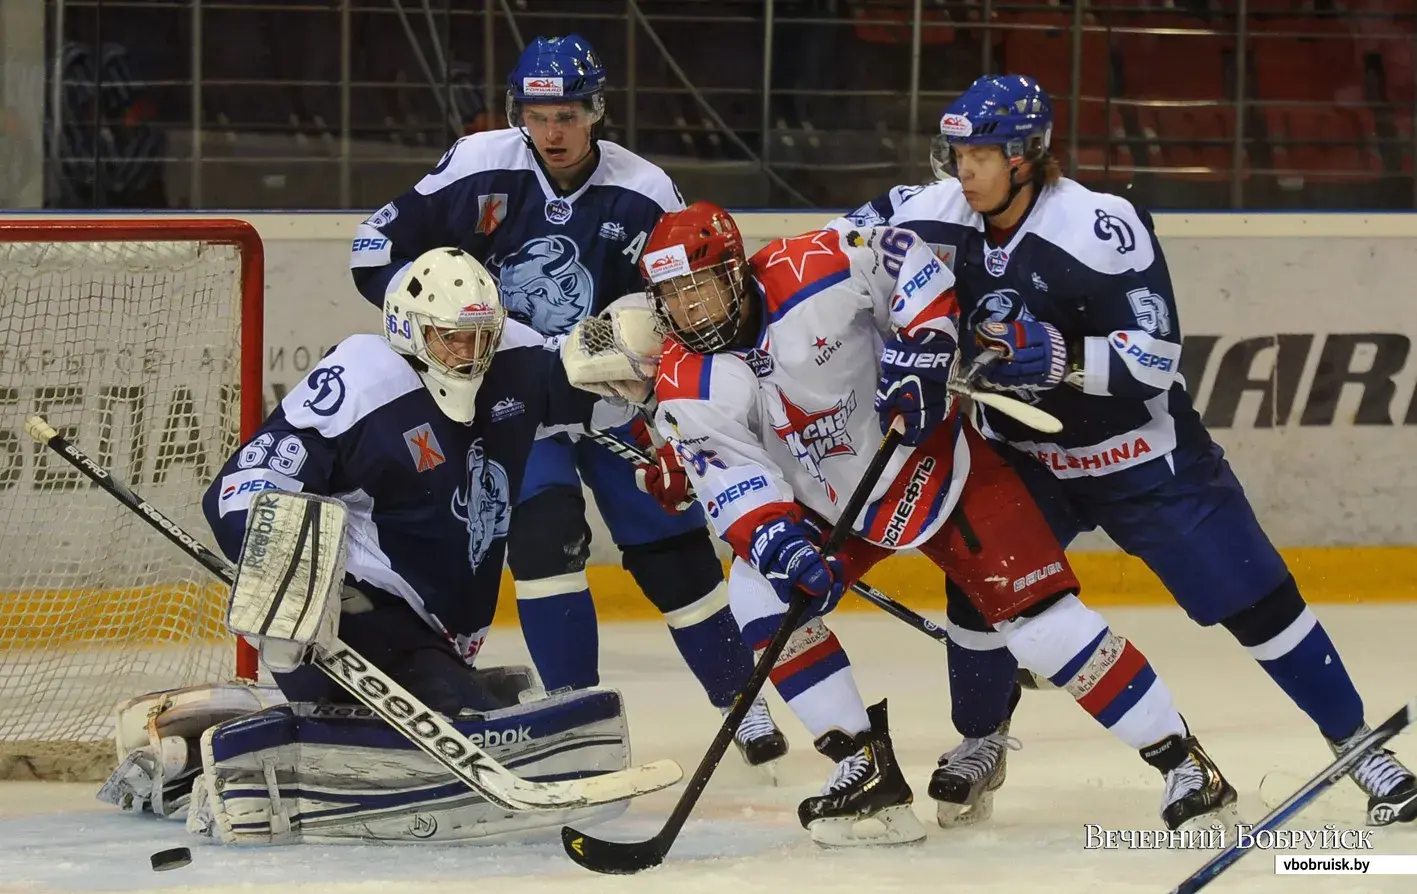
(792, 418)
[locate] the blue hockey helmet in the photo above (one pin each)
(1009, 111)
(557, 70)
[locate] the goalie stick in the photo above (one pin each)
(627, 857)
(1405, 717)
(374, 689)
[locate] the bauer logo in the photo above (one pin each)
(543, 87)
(238, 488)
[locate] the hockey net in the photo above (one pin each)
(140, 341)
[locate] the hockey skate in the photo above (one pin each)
(1196, 794)
(964, 783)
(1391, 788)
(867, 800)
(759, 740)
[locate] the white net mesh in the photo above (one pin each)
(132, 351)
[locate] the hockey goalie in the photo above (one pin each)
(370, 512)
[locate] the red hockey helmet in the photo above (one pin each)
(694, 264)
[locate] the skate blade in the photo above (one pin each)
(1227, 817)
(767, 772)
(950, 815)
(891, 826)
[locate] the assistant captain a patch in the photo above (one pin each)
(423, 446)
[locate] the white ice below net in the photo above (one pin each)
(131, 350)
(744, 837)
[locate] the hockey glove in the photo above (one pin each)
(785, 553)
(1032, 353)
(914, 384)
(665, 480)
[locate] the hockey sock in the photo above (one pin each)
(1111, 679)
(813, 675)
(558, 623)
(1286, 638)
(712, 646)
(981, 670)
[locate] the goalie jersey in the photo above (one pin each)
(557, 258)
(429, 499)
(792, 419)
(1090, 264)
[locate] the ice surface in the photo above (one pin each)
(745, 836)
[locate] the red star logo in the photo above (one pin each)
(795, 252)
(819, 343)
(801, 422)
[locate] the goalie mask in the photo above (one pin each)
(446, 314)
(695, 266)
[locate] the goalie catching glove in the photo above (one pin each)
(615, 354)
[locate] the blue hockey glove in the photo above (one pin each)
(1032, 353)
(785, 553)
(914, 384)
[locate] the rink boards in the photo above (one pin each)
(1298, 352)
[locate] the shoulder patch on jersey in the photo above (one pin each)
(623, 168)
(478, 153)
(1101, 230)
(358, 377)
(683, 375)
(793, 270)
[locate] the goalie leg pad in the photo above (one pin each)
(339, 774)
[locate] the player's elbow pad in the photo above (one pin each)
(1128, 363)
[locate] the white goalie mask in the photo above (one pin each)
(447, 314)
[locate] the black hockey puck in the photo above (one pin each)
(175, 858)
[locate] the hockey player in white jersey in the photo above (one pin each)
(779, 376)
(403, 430)
(1072, 286)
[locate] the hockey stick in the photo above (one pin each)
(1405, 716)
(626, 857)
(1029, 415)
(374, 689)
(634, 454)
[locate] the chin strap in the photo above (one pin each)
(1015, 188)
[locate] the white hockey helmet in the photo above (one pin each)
(446, 313)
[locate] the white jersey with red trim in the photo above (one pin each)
(792, 418)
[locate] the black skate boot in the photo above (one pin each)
(1391, 788)
(867, 800)
(1196, 794)
(758, 738)
(967, 777)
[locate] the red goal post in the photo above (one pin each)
(141, 340)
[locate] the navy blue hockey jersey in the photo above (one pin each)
(1090, 264)
(557, 259)
(429, 499)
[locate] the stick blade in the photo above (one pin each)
(611, 857)
(592, 791)
(1029, 415)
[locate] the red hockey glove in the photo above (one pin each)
(665, 479)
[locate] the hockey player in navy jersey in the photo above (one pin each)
(1071, 290)
(422, 434)
(560, 217)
